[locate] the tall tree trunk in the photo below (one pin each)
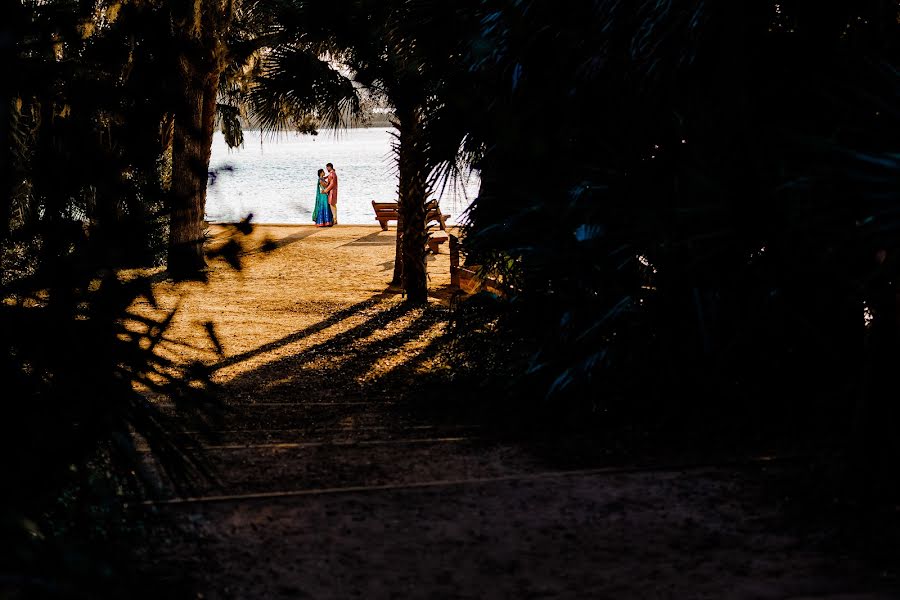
(413, 188)
(191, 150)
(201, 25)
(397, 278)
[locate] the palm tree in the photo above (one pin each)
(82, 129)
(195, 51)
(200, 28)
(216, 44)
(401, 52)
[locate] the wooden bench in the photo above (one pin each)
(387, 211)
(434, 241)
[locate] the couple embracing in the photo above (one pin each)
(325, 211)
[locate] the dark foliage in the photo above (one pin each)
(82, 201)
(714, 232)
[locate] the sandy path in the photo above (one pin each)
(389, 502)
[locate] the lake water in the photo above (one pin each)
(276, 179)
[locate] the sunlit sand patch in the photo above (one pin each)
(358, 340)
(316, 288)
(346, 333)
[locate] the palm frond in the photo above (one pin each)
(295, 84)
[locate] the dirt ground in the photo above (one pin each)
(335, 480)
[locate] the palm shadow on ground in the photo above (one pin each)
(386, 367)
(309, 404)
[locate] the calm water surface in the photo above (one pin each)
(276, 179)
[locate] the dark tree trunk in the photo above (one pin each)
(412, 190)
(200, 27)
(397, 278)
(192, 145)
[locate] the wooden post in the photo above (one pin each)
(454, 260)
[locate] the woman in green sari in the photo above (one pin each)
(321, 215)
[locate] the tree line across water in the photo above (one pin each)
(714, 237)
